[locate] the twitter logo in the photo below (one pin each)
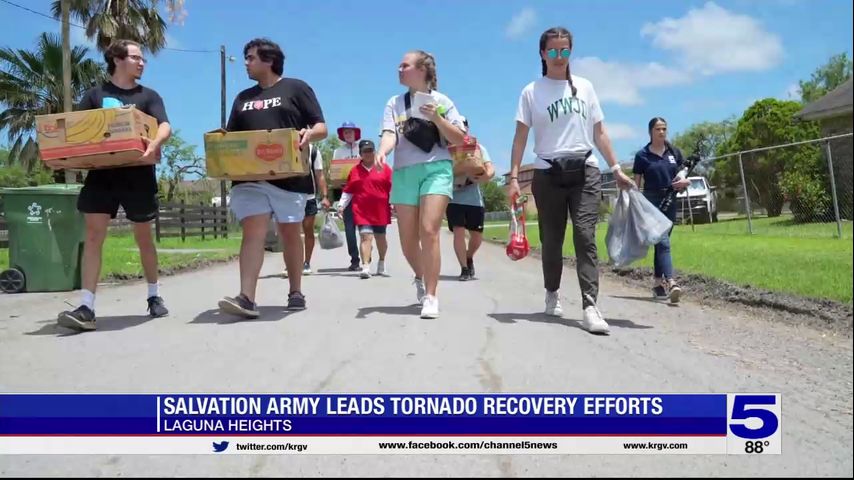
(220, 447)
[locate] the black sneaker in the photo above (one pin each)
(240, 306)
(465, 274)
(156, 307)
(296, 301)
(675, 292)
(470, 264)
(354, 267)
(82, 319)
(660, 293)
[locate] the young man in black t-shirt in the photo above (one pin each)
(132, 188)
(275, 102)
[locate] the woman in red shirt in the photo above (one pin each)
(368, 188)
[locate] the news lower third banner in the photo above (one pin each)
(390, 424)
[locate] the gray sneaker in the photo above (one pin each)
(240, 306)
(81, 319)
(296, 301)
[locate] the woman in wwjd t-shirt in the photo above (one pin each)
(564, 113)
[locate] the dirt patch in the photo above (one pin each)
(822, 314)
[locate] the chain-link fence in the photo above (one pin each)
(797, 189)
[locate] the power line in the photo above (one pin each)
(84, 28)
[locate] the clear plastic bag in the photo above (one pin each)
(330, 235)
(635, 225)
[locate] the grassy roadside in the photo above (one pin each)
(783, 257)
(121, 257)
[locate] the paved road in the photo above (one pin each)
(365, 336)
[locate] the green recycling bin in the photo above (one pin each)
(46, 234)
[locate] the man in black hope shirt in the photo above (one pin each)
(275, 102)
(132, 188)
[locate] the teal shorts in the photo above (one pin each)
(411, 183)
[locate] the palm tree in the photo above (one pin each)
(137, 20)
(31, 84)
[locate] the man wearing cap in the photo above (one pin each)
(349, 133)
(367, 192)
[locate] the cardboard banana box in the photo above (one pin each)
(255, 155)
(339, 170)
(468, 160)
(95, 139)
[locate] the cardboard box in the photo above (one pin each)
(339, 170)
(94, 139)
(255, 154)
(468, 161)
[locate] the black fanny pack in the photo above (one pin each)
(568, 164)
(424, 134)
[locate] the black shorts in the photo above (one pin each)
(311, 207)
(139, 207)
(467, 216)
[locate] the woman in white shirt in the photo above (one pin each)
(422, 182)
(564, 113)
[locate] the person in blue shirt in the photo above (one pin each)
(466, 212)
(656, 167)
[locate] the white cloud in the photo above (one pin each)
(793, 92)
(621, 131)
(713, 40)
(521, 23)
(621, 83)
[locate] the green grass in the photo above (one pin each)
(798, 259)
(782, 226)
(121, 257)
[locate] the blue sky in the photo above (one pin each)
(685, 61)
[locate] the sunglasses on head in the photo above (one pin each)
(553, 53)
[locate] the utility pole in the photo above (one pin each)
(67, 104)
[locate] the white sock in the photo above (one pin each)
(153, 290)
(87, 299)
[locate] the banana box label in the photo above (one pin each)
(93, 139)
(255, 154)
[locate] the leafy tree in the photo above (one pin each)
(826, 77)
(31, 84)
(711, 136)
(178, 160)
(137, 20)
(494, 196)
(767, 123)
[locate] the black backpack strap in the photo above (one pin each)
(407, 103)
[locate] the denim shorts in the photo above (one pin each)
(260, 198)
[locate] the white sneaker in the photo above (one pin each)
(553, 307)
(381, 269)
(366, 271)
(430, 307)
(420, 290)
(593, 321)
(306, 269)
(285, 273)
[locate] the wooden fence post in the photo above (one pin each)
(202, 217)
(182, 221)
